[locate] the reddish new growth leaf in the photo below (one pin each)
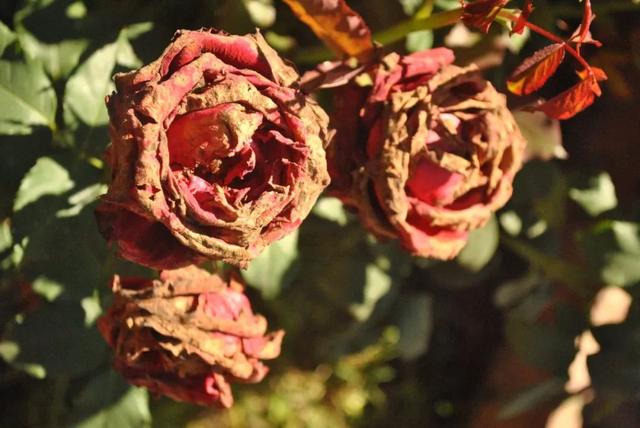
(534, 72)
(482, 13)
(583, 33)
(337, 25)
(577, 98)
(587, 18)
(521, 23)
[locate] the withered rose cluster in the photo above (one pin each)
(216, 153)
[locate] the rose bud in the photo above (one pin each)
(425, 153)
(187, 335)
(215, 153)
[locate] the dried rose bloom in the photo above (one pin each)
(214, 153)
(426, 153)
(187, 335)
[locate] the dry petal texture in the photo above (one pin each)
(426, 153)
(187, 335)
(214, 153)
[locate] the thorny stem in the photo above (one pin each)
(544, 33)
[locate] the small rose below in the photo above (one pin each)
(187, 335)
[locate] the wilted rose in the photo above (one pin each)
(426, 152)
(187, 335)
(215, 153)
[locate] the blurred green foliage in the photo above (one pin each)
(374, 337)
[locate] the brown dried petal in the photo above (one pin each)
(430, 157)
(187, 335)
(215, 153)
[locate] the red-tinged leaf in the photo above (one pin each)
(597, 72)
(482, 13)
(587, 19)
(534, 71)
(520, 24)
(582, 34)
(337, 25)
(573, 100)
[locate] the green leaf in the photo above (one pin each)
(55, 337)
(47, 288)
(515, 42)
(6, 37)
(410, 6)
(58, 59)
(511, 222)
(377, 284)
(351, 272)
(86, 89)
(275, 267)
(540, 193)
(9, 351)
(419, 40)
(47, 177)
(415, 324)
(27, 98)
(549, 346)
(76, 10)
(481, 247)
(6, 238)
(48, 35)
(82, 198)
(331, 209)
(598, 197)
(110, 403)
(262, 12)
(92, 308)
(613, 250)
(280, 42)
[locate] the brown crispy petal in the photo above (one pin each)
(187, 335)
(434, 159)
(263, 164)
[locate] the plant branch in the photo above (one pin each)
(555, 268)
(548, 35)
(432, 22)
(599, 9)
(390, 35)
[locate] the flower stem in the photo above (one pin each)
(553, 267)
(400, 30)
(548, 35)
(599, 9)
(390, 35)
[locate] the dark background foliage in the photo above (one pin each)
(375, 338)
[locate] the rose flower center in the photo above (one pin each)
(230, 154)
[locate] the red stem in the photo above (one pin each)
(550, 36)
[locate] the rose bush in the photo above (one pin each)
(426, 152)
(187, 335)
(215, 153)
